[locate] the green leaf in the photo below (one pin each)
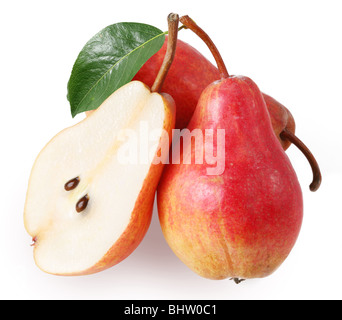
(108, 61)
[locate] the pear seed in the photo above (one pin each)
(82, 203)
(72, 184)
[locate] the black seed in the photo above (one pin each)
(72, 184)
(82, 203)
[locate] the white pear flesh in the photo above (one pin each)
(68, 242)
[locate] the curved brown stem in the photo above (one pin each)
(317, 177)
(173, 21)
(189, 23)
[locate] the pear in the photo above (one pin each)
(242, 222)
(85, 208)
(92, 188)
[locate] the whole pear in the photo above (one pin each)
(244, 221)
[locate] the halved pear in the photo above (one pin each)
(103, 213)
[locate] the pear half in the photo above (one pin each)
(74, 236)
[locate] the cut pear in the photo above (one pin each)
(117, 195)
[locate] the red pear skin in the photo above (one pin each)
(189, 75)
(244, 222)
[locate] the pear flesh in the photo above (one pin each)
(120, 195)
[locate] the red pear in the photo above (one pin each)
(237, 214)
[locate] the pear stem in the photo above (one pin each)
(173, 21)
(317, 177)
(190, 24)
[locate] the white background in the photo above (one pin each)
(291, 49)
